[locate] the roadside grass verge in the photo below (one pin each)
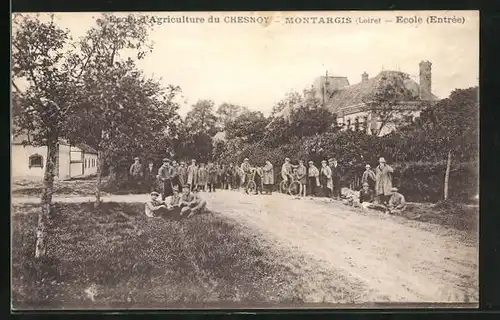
(116, 257)
(446, 213)
(78, 187)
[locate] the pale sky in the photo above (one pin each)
(254, 65)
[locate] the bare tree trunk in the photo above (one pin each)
(99, 179)
(447, 176)
(112, 176)
(46, 200)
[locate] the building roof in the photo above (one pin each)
(86, 148)
(360, 92)
(26, 139)
(332, 83)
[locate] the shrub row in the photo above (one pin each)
(419, 181)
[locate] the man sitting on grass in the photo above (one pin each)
(366, 196)
(168, 208)
(397, 203)
(155, 207)
(191, 203)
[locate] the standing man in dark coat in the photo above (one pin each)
(150, 177)
(165, 174)
(212, 176)
(231, 176)
(176, 179)
(336, 177)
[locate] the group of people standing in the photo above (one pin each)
(324, 181)
(173, 177)
(377, 191)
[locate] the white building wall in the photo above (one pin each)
(91, 160)
(76, 154)
(76, 169)
(349, 121)
(64, 162)
(20, 161)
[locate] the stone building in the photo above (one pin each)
(356, 109)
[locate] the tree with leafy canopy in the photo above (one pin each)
(137, 118)
(291, 99)
(307, 118)
(114, 87)
(201, 118)
(55, 69)
(197, 130)
(41, 61)
(250, 126)
(388, 101)
(228, 112)
(449, 129)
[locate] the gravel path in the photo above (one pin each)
(400, 260)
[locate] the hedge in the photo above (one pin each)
(418, 181)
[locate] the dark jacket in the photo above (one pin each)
(366, 196)
(150, 175)
(336, 173)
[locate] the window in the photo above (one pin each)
(36, 161)
(86, 164)
(356, 124)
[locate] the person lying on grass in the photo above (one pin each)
(191, 203)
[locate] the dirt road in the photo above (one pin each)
(400, 260)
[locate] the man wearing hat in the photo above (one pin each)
(191, 203)
(313, 177)
(325, 178)
(383, 181)
(183, 174)
(397, 203)
(192, 175)
(232, 176)
(155, 207)
(286, 170)
(336, 176)
(176, 179)
(136, 173)
(302, 176)
(366, 195)
(246, 170)
(368, 177)
(150, 176)
(165, 174)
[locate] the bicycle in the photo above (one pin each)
(291, 186)
(251, 185)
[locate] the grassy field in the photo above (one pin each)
(79, 187)
(115, 257)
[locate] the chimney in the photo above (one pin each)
(364, 77)
(425, 92)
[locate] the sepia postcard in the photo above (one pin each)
(244, 160)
